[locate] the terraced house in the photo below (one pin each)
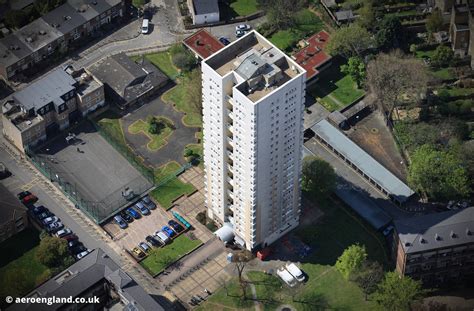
(60, 30)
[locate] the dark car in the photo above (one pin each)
(78, 249)
(224, 40)
(126, 216)
(120, 222)
(142, 208)
(153, 241)
(22, 194)
(38, 209)
(71, 237)
(73, 243)
(176, 227)
(148, 202)
(132, 212)
(54, 227)
(44, 215)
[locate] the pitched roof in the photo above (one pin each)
(10, 205)
(205, 6)
(439, 230)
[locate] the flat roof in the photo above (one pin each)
(368, 165)
(203, 44)
(312, 56)
(438, 230)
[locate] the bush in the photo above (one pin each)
(201, 217)
(211, 225)
(184, 61)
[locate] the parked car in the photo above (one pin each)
(138, 252)
(44, 215)
(295, 271)
(55, 226)
(148, 202)
(145, 247)
(243, 27)
(63, 232)
(29, 199)
(239, 33)
(126, 216)
(387, 230)
(176, 227)
(132, 212)
(168, 231)
(162, 237)
(224, 40)
(82, 254)
(153, 241)
(286, 277)
(50, 220)
(119, 220)
(79, 248)
(73, 244)
(38, 209)
(142, 208)
(22, 194)
(71, 237)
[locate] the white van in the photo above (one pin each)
(286, 277)
(295, 271)
(145, 26)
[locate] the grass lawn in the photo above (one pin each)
(234, 8)
(173, 189)
(160, 258)
(18, 254)
(110, 123)
(334, 90)
(443, 73)
(156, 140)
(176, 96)
(227, 298)
(163, 61)
(458, 91)
(307, 23)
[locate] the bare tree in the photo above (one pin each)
(391, 76)
(240, 260)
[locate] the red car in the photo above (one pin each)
(29, 199)
(70, 237)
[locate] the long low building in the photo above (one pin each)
(354, 156)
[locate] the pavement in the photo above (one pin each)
(181, 136)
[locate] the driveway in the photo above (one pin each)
(174, 149)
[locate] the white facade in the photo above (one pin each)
(253, 104)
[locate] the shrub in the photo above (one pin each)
(184, 61)
(201, 217)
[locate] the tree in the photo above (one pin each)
(184, 60)
(318, 176)
(240, 260)
(392, 75)
(396, 293)
(442, 56)
(434, 22)
(438, 174)
(351, 260)
(366, 15)
(44, 6)
(349, 41)
(16, 18)
(53, 252)
(281, 13)
(390, 33)
(368, 277)
(355, 67)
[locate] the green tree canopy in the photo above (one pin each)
(390, 33)
(53, 252)
(396, 293)
(438, 174)
(442, 56)
(368, 277)
(355, 67)
(281, 13)
(318, 176)
(351, 260)
(434, 22)
(349, 41)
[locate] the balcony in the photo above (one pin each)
(230, 168)
(230, 194)
(231, 181)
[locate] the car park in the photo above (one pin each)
(126, 216)
(29, 199)
(22, 194)
(138, 252)
(153, 241)
(142, 208)
(55, 226)
(50, 220)
(148, 202)
(132, 212)
(120, 222)
(387, 230)
(63, 232)
(162, 237)
(224, 41)
(176, 227)
(168, 231)
(243, 27)
(82, 254)
(145, 247)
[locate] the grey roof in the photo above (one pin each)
(439, 230)
(48, 89)
(10, 205)
(20, 4)
(37, 34)
(64, 18)
(344, 15)
(363, 160)
(205, 6)
(330, 3)
(90, 270)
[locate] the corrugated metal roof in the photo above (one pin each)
(363, 161)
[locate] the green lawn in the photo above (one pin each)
(166, 170)
(457, 91)
(244, 7)
(227, 298)
(443, 73)
(110, 123)
(334, 90)
(176, 96)
(160, 258)
(307, 23)
(156, 140)
(162, 60)
(18, 255)
(173, 189)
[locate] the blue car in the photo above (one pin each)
(168, 231)
(133, 213)
(142, 208)
(119, 220)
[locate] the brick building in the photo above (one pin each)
(13, 217)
